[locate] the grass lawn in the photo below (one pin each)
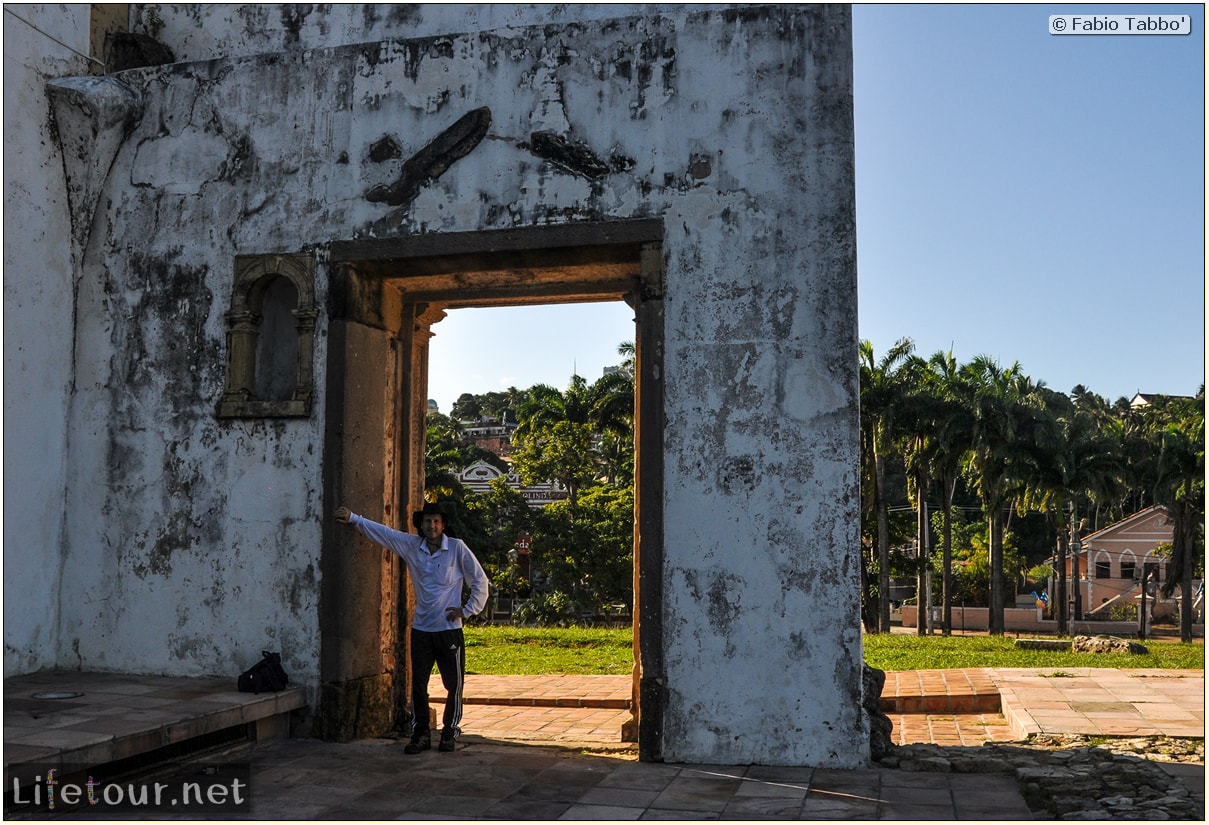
(530, 651)
(501, 650)
(893, 651)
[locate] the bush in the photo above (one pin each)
(1123, 613)
(541, 609)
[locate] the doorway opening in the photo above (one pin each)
(529, 427)
(539, 399)
(387, 296)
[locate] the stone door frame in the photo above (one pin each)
(385, 297)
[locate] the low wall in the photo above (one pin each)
(1026, 620)
(977, 618)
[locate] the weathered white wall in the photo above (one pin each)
(196, 32)
(192, 542)
(38, 338)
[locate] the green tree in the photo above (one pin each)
(1070, 461)
(514, 399)
(613, 404)
(922, 410)
(613, 416)
(616, 453)
(1004, 406)
(589, 554)
(627, 351)
(468, 407)
(1178, 431)
(882, 392)
(560, 451)
(559, 433)
(953, 435)
(504, 516)
(445, 455)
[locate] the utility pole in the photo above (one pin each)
(1059, 596)
(1148, 570)
(1076, 546)
(923, 584)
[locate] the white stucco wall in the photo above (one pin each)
(197, 32)
(38, 316)
(192, 542)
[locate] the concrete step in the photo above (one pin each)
(68, 718)
(940, 691)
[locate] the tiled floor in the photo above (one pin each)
(1101, 701)
(92, 718)
(959, 707)
(506, 767)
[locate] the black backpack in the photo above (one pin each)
(265, 675)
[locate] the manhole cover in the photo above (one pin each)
(57, 694)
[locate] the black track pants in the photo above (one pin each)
(447, 649)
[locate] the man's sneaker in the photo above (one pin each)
(419, 742)
(448, 735)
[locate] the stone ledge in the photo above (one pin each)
(1042, 644)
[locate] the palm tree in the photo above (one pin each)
(627, 351)
(1072, 458)
(1003, 403)
(1109, 428)
(881, 385)
(515, 399)
(559, 433)
(1179, 433)
(444, 455)
(922, 410)
(953, 434)
(547, 405)
(613, 404)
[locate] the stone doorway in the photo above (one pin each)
(386, 296)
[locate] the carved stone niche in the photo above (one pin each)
(270, 338)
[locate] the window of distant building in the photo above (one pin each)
(1129, 570)
(1103, 570)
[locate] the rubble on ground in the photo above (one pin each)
(1073, 776)
(1106, 644)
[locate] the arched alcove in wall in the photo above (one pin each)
(270, 338)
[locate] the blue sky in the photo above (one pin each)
(1030, 197)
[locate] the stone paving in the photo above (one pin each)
(555, 753)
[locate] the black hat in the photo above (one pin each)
(432, 507)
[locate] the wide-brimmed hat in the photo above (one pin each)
(431, 507)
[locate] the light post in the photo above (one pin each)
(522, 548)
(1076, 547)
(1059, 604)
(1149, 570)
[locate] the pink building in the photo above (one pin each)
(1111, 563)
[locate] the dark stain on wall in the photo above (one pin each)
(418, 50)
(241, 161)
(397, 13)
(434, 159)
(293, 18)
(385, 148)
(296, 590)
(165, 330)
(724, 600)
(167, 363)
(570, 156)
(129, 50)
(737, 474)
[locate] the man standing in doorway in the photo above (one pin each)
(439, 566)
